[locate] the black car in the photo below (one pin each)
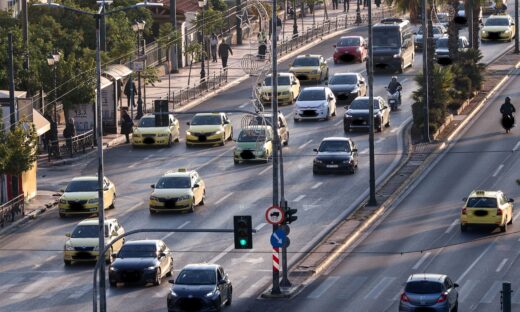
(335, 154)
(200, 287)
(347, 86)
(357, 115)
(142, 261)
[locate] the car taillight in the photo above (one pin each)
(499, 212)
(443, 297)
(404, 298)
(463, 211)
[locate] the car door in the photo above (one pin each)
(195, 189)
(295, 86)
(117, 230)
(221, 284)
(452, 292)
(107, 193)
(362, 85)
(332, 102)
(323, 66)
(227, 126)
(354, 153)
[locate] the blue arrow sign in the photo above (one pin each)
(278, 238)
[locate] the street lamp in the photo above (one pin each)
(100, 14)
(202, 5)
(138, 27)
(358, 12)
(295, 25)
(53, 60)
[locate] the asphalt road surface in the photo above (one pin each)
(33, 277)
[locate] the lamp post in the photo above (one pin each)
(53, 60)
(202, 5)
(99, 130)
(358, 12)
(138, 28)
(295, 25)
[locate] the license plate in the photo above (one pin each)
(332, 166)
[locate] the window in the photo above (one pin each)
(349, 42)
(423, 287)
(206, 120)
(173, 182)
(312, 95)
(482, 202)
(220, 276)
(82, 186)
(306, 61)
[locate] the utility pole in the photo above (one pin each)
(295, 24)
(25, 30)
(372, 201)
(12, 106)
(274, 104)
(239, 28)
(426, 113)
(173, 20)
(517, 45)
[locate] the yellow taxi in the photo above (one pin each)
(82, 245)
(310, 67)
(81, 196)
(209, 128)
(498, 27)
(179, 190)
(487, 207)
(150, 132)
(288, 89)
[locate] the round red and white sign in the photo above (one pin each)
(274, 215)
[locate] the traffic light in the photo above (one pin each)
(243, 230)
(290, 215)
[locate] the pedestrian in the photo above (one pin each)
(53, 137)
(130, 95)
(69, 133)
(127, 125)
(213, 42)
(346, 5)
(262, 49)
(223, 52)
(334, 4)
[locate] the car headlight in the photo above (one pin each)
(63, 201)
(397, 55)
(172, 293)
(507, 31)
(348, 115)
(68, 247)
(163, 135)
(218, 132)
(136, 135)
(484, 32)
(324, 105)
(151, 268)
(188, 132)
(336, 50)
(318, 161)
(112, 269)
(378, 114)
(184, 197)
(238, 150)
(314, 71)
(212, 293)
(93, 201)
(285, 93)
(358, 49)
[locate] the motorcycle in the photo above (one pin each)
(393, 99)
(508, 122)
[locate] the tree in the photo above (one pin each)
(411, 6)
(453, 33)
(194, 51)
(213, 21)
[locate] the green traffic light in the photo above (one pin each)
(243, 242)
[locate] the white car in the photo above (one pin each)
(438, 31)
(315, 103)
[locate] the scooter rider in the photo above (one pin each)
(507, 110)
(394, 86)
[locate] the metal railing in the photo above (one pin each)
(10, 210)
(68, 147)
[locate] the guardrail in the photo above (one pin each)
(60, 148)
(10, 210)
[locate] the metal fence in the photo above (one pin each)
(79, 144)
(10, 210)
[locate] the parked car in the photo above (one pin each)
(254, 143)
(315, 103)
(498, 27)
(209, 129)
(431, 292)
(266, 118)
(335, 154)
(152, 131)
(347, 86)
(350, 48)
(357, 115)
(141, 261)
(288, 89)
(80, 197)
(200, 287)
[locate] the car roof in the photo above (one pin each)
(281, 75)
(85, 178)
(143, 242)
(209, 114)
(150, 115)
(314, 88)
(308, 55)
(336, 139)
(484, 193)
(180, 172)
(95, 221)
(366, 98)
(256, 127)
(201, 266)
(427, 277)
(348, 37)
(345, 74)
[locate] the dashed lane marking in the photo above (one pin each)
(452, 225)
(305, 144)
(297, 199)
(379, 288)
(171, 233)
(270, 167)
(329, 281)
(516, 146)
(252, 290)
(81, 292)
(492, 292)
(501, 265)
(466, 289)
(315, 186)
(223, 198)
(498, 170)
(420, 262)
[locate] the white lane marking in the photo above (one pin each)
(243, 105)
(270, 167)
(51, 292)
(31, 288)
(379, 288)
(338, 123)
(516, 146)
(81, 292)
(315, 186)
(394, 130)
(223, 198)
(516, 298)
(452, 225)
(171, 233)
(160, 293)
(365, 151)
(329, 281)
(222, 254)
(466, 289)
(475, 261)
(133, 165)
(134, 206)
(297, 199)
(498, 170)
(380, 140)
(404, 80)
(10, 283)
(501, 265)
(492, 292)
(147, 157)
(305, 144)
(260, 226)
(423, 258)
(251, 290)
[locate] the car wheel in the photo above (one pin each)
(352, 170)
(177, 139)
(152, 212)
(328, 114)
(62, 215)
(346, 128)
(503, 228)
(158, 277)
(334, 112)
(192, 206)
(286, 140)
(169, 273)
(203, 200)
(236, 162)
(230, 135)
(169, 141)
(511, 222)
(463, 227)
(230, 297)
(67, 262)
(456, 307)
(401, 68)
(315, 171)
(113, 204)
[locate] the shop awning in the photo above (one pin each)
(41, 124)
(117, 71)
(105, 82)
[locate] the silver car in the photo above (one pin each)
(435, 292)
(315, 103)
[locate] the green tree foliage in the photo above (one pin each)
(407, 6)
(219, 5)
(442, 79)
(213, 21)
(168, 36)
(18, 149)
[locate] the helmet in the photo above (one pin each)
(508, 99)
(394, 78)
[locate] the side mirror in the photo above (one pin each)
(152, 186)
(464, 199)
(315, 150)
(226, 122)
(62, 190)
(196, 185)
(334, 46)
(162, 254)
(57, 194)
(222, 282)
(362, 82)
(354, 150)
(67, 234)
(385, 107)
(455, 285)
(188, 123)
(259, 84)
(171, 281)
(511, 200)
(294, 83)
(114, 255)
(345, 107)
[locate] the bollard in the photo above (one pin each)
(506, 297)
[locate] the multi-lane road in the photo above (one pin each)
(33, 276)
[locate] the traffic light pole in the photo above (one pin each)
(517, 48)
(372, 201)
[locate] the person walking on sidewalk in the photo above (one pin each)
(223, 52)
(69, 132)
(346, 5)
(127, 125)
(334, 4)
(130, 95)
(53, 138)
(213, 42)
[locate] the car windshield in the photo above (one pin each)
(349, 42)
(82, 186)
(461, 7)
(173, 183)
(306, 61)
(196, 277)
(148, 122)
(282, 81)
(206, 120)
(334, 146)
(312, 95)
(362, 104)
(482, 202)
(441, 43)
(137, 251)
(343, 79)
(423, 287)
(386, 37)
(251, 135)
(497, 22)
(87, 231)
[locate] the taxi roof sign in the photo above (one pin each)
(181, 170)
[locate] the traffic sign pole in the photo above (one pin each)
(276, 259)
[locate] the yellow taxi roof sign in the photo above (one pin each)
(181, 170)
(480, 192)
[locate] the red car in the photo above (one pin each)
(350, 48)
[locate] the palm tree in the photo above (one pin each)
(453, 32)
(411, 6)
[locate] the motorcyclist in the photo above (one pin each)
(507, 110)
(394, 86)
